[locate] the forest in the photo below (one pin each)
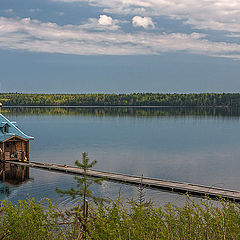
(133, 99)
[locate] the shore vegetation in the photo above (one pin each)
(120, 219)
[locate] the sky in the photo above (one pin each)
(119, 46)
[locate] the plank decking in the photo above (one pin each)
(173, 186)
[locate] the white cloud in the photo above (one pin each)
(35, 36)
(145, 22)
(105, 20)
(103, 23)
(33, 10)
(202, 14)
(9, 10)
(233, 35)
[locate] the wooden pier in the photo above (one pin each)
(172, 186)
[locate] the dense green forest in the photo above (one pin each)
(134, 99)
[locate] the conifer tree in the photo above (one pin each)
(83, 182)
(83, 191)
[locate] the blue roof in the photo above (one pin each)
(13, 130)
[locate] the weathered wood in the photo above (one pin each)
(27, 149)
(3, 151)
(173, 186)
(14, 150)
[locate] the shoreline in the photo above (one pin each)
(112, 106)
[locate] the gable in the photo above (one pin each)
(9, 130)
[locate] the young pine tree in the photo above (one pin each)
(83, 182)
(83, 192)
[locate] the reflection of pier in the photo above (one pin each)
(13, 174)
(172, 186)
(4, 190)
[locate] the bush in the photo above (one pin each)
(196, 220)
(30, 220)
(121, 220)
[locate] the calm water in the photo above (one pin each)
(192, 145)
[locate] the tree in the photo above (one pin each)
(83, 191)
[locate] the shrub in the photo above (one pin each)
(30, 220)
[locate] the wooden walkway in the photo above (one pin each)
(173, 186)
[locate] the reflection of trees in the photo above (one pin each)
(126, 111)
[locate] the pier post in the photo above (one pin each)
(3, 152)
(3, 175)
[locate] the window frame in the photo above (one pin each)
(6, 128)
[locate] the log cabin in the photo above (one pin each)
(14, 144)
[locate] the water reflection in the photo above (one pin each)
(126, 111)
(197, 145)
(11, 176)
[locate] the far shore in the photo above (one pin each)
(113, 106)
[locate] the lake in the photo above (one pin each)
(197, 145)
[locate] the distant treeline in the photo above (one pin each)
(135, 99)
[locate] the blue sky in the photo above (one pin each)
(119, 46)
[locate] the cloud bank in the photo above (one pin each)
(87, 39)
(222, 15)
